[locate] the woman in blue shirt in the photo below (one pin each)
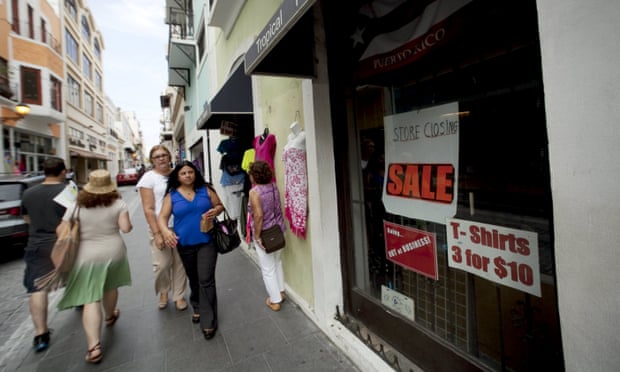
(188, 198)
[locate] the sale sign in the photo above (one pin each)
(411, 248)
(499, 254)
(422, 159)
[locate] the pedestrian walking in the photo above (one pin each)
(168, 270)
(43, 215)
(265, 211)
(187, 199)
(101, 265)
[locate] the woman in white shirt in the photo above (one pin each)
(167, 265)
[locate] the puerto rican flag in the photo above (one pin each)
(390, 34)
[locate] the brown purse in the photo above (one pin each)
(66, 247)
(273, 237)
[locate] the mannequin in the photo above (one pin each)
(263, 136)
(297, 138)
(265, 148)
(296, 180)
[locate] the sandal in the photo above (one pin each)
(196, 318)
(272, 306)
(181, 304)
(163, 301)
(94, 354)
(109, 322)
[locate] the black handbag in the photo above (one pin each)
(225, 234)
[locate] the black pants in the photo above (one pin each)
(199, 262)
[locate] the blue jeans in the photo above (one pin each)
(199, 261)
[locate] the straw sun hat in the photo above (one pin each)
(99, 182)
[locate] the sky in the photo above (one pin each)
(135, 69)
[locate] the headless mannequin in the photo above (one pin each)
(263, 136)
(297, 138)
(296, 180)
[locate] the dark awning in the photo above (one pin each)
(285, 46)
(233, 102)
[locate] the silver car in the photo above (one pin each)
(13, 228)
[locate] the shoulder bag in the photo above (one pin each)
(273, 237)
(66, 247)
(224, 233)
(63, 253)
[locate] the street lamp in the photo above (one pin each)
(21, 110)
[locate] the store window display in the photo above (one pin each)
(265, 148)
(233, 176)
(432, 174)
(296, 180)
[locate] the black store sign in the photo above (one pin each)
(259, 57)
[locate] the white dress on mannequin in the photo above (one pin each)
(296, 181)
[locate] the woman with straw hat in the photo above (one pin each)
(101, 265)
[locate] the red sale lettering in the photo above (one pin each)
(495, 239)
(421, 181)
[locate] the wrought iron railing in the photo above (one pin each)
(181, 24)
(45, 37)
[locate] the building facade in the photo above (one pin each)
(451, 187)
(86, 127)
(51, 60)
(31, 72)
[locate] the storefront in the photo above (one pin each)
(24, 152)
(443, 182)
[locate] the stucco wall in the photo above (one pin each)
(580, 54)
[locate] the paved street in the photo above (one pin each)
(250, 336)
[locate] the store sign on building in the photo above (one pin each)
(280, 23)
(500, 254)
(411, 248)
(391, 34)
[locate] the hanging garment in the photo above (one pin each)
(295, 189)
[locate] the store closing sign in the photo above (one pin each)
(411, 248)
(500, 254)
(421, 154)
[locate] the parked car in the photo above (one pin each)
(127, 176)
(13, 227)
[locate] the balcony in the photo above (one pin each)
(6, 90)
(181, 46)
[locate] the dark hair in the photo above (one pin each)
(53, 166)
(173, 177)
(87, 200)
(261, 171)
